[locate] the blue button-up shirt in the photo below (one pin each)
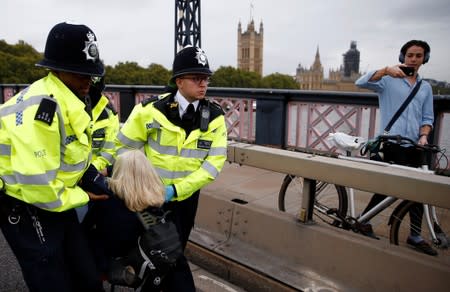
(392, 92)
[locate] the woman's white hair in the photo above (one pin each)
(135, 181)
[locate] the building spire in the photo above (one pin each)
(317, 64)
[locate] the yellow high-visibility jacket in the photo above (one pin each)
(45, 145)
(189, 163)
(105, 129)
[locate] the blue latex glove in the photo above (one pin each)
(170, 192)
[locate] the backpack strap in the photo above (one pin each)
(148, 219)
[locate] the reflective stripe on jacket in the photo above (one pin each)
(189, 163)
(43, 158)
(104, 132)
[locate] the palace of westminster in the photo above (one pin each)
(250, 58)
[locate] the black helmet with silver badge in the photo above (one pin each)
(72, 48)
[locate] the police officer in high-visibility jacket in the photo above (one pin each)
(45, 148)
(185, 138)
(105, 129)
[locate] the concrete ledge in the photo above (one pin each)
(400, 183)
(303, 257)
(232, 271)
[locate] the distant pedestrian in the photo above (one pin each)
(45, 147)
(185, 137)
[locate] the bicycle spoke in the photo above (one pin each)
(327, 197)
(405, 223)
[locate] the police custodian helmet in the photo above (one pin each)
(190, 60)
(72, 48)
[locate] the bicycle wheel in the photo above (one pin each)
(328, 196)
(401, 226)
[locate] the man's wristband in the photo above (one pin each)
(426, 135)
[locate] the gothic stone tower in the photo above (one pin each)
(250, 48)
(312, 78)
(351, 61)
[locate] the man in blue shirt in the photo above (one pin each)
(393, 85)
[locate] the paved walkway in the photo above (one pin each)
(253, 185)
(261, 187)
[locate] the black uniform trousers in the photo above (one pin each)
(408, 156)
(50, 247)
(183, 215)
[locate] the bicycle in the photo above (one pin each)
(331, 201)
(325, 193)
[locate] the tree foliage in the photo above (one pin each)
(130, 73)
(227, 76)
(232, 77)
(441, 90)
(280, 81)
(17, 65)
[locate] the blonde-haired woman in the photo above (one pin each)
(112, 224)
(135, 181)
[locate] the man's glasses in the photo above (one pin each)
(197, 79)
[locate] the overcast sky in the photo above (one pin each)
(143, 30)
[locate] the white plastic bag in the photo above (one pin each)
(346, 142)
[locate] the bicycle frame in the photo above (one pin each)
(350, 143)
(376, 210)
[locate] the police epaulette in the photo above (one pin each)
(151, 99)
(215, 105)
(46, 111)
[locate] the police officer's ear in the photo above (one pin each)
(178, 81)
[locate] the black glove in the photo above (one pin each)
(94, 182)
(109, 170)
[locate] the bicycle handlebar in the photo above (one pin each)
(401, 140)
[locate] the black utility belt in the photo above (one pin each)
(5, 200)
(11, 209)
(9, 204)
